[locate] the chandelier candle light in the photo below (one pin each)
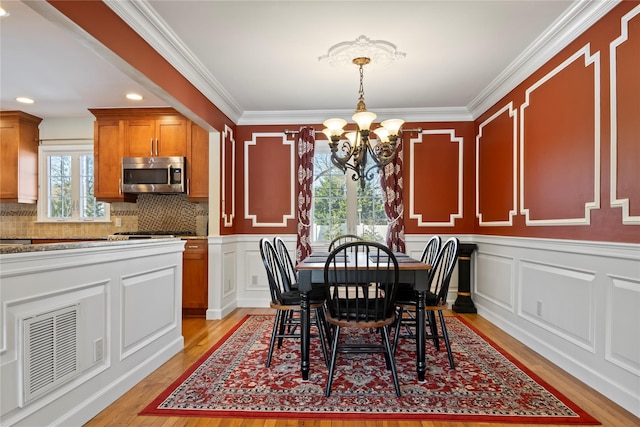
(354, 152)
(358, 146)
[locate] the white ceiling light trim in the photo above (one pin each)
(380, 52)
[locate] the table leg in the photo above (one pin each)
(305, 331)
(421, 365)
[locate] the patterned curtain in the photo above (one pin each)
(305, 150)
(391, 182)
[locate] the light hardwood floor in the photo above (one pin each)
(201, 334)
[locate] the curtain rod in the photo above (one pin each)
(292, 132)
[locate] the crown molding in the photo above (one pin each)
(306, 117)
(143, 20)
(575, 21)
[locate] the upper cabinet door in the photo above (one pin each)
(139, 138)
(165, 136)
(19, 136)
(171, 137)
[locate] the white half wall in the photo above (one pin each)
(129, 309)
(576, 303)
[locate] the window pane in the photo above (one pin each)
(89, 206)
(329, 199)
(334, 207)
(372, 220)
(59, 183)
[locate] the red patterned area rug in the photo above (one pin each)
(488, 385)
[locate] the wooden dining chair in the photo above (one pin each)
(287, 304)
(345, 238)
(436, 297)
(360, 293)
(405, 300)
(291, 275)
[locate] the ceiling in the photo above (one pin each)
(259, 59)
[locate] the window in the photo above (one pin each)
(340, 206)
(66, 185)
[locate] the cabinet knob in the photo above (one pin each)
(193, 246)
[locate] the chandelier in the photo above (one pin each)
(354, 152)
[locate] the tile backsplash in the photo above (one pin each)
(151, 212)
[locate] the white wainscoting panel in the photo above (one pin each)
(578, 305)
(494, 279)
(559, 299)
(143, 322)
(623, 323)
(223, 283)
(127, 292)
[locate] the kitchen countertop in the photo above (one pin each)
(96, 242)
(82, 238)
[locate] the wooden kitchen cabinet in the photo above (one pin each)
(19, 138)
(164, 136)
(107, 159)
(195, 278)
(198, 165)
(132, 132)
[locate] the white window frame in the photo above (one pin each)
(75, 151)
(322, 147)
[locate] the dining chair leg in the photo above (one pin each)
(332, 365)
(389, 357)
(320, 324)
(445, 336)
(274, 332)
(327, 327)
(433, 327)
(397, 327)
(284, 319)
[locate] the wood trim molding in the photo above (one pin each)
(227, 137)
(623, 203)
(286, 216)
(589, 59)
(513, 113)
(412, 167)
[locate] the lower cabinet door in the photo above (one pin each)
(195, 278)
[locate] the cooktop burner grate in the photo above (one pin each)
(155, 233)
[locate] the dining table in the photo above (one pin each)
(410, 271)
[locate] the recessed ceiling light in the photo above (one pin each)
(3, 12)
(134, 97)
(24, 100)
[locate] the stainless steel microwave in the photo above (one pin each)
(160, 175)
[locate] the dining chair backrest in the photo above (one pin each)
(290, 274)
(361, 281)
(345, 238)
(274, 270)
(441, 272)
(431, 250)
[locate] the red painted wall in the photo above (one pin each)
(105, 26)
(564, 142)
(556, 160)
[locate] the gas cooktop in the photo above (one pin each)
(142, 234)
(155, 233)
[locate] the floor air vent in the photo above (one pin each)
(50, 350)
